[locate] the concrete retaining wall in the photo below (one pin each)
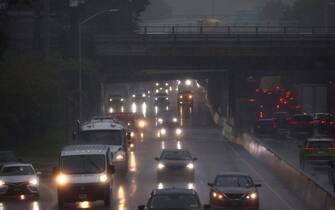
(314, 196)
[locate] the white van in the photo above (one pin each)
(84, 174)
(102, 130)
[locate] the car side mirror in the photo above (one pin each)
(141, 207)
(211, 184)
(195, 159)
(156, 158)
(38, 173)
(258, 185)
(111, 169)
(207, 206)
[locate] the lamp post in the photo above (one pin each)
(80, 85)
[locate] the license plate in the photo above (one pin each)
(82, 196)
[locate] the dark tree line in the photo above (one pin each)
(40, 93)
(301, 12)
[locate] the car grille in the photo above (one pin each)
(234, 196)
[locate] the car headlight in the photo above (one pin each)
(142, 124)
(61, 179)
(33, 182)
(119, 157)
(121, 99)
(161, 166)
(160, 120)
(163, 131)
(251, 196)
(190, 166)
(218, 196)
(178, 131)
(2, 183)
(103, 178)
(190, 96)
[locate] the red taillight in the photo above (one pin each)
(261, 115)
(252, 100)
(308, 149)
(331, 149)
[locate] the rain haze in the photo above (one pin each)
(167, 104)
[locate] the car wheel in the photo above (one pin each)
(36, 196)
(107, 199)
(61, 202)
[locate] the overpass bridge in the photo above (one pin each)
(246, 48)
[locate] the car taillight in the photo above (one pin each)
(323, 122)
(308, 149)
(261, 115)
(331, 149)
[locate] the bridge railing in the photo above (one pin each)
(234, 30)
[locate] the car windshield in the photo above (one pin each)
(17, 171)
(110, 137)
(83, 164)
(233, 181)
(7, 157)
(176, 155)
(174, 201)
(320, 144)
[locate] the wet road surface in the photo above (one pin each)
(215, 154)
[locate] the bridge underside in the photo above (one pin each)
(150, 55)
(168, 67)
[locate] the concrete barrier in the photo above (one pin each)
(314, 196)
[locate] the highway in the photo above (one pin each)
(215, 155)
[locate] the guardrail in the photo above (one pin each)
(314, 196)
(178, 29)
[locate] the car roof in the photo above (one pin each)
(175, 150)
(101, 124)
(233, 174)
(16, 165)
(84, 149)
(320, 139)
(173, 190)
(185, 91)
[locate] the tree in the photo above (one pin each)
(312, 12)
(273, 11)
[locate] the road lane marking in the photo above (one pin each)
(260, 176)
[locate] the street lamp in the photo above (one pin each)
(80, 54)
